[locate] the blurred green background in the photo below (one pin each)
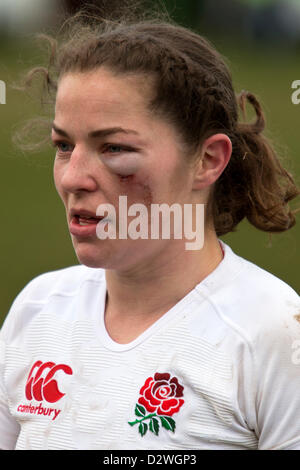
(34, 234)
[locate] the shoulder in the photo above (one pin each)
(66, 281)
(252, 301)
(57, 288)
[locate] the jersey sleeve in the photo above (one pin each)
(9, 428)
(277, 365)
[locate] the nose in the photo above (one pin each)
(78, 173)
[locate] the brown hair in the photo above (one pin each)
(193, 90)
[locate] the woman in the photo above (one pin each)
(147, 344)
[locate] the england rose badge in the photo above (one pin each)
(160, 398)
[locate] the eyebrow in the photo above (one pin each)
(97, 133)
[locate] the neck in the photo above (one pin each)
(149, 291)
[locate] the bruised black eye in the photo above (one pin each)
(114, 148)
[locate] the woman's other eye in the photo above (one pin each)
(63, 147)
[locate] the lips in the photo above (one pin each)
(83, 220)
(83, 223)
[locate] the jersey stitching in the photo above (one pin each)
(286, 443)
(62, 294)
(237, 330)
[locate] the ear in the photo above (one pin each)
(214, 156)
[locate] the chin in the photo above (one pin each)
(105, 256)
(116, 255)
(91, 256)
(91, 263)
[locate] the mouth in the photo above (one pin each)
(84, 220)
(83, 223)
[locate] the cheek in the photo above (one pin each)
(55, 176)
(137, 189)
(57, 180)
(130, 174)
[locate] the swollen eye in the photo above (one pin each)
(123, 165)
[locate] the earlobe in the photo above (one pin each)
(214, 157)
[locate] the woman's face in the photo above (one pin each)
(109, 145)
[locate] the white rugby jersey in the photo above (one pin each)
(220, 370)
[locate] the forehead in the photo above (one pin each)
(99, 99)
(102, 90)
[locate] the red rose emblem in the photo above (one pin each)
(162, 394)
(160, 397)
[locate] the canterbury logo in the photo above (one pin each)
(41, 384)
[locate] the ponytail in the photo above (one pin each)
(254, 184)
